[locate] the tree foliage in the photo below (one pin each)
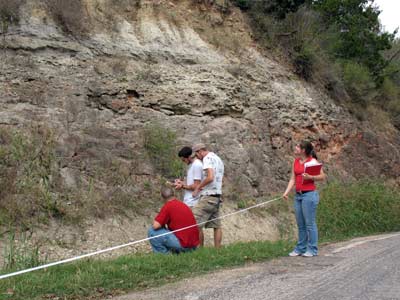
(337, 44)
(359, 35)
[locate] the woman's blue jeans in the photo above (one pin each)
(305, 206)
(167, 243)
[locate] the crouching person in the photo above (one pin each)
(173, 215)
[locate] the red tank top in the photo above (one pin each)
(302, 185)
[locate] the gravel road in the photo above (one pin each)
(364, 268)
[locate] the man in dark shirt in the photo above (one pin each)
(173, 215)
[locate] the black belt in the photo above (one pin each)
(215, 195)
(303, 192)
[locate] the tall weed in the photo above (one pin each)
(20, 254)
(27, 175)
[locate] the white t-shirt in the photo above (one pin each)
(194, 172)
(212, 161)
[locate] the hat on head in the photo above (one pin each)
(198, 147)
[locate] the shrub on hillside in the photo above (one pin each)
(336, 44)
(389, 89)
(265, 28)
(161, 147)
(358, 81)
(360, 38)
(389, 95)
(303, 61)
(242, 4)
(277, 8)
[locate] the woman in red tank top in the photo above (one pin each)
(306, 200)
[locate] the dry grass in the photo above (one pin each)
(219, 24)
(26, 176)
(71, 16)
(9, 13)
(380, 118)
(10, 9)
(33, 191)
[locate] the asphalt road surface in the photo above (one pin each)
(365, 268)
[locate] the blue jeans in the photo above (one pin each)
(305, 206)
(166, 243)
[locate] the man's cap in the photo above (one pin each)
(198, 147)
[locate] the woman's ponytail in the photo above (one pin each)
(308, 149)
(313, 154)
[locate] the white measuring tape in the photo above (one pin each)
(131, 243)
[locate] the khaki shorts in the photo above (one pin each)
(207, 209)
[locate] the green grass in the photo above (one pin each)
(27, 175)
(20, 255)
(96, 277)
(161, 146)
(357, 209)
(345, 211)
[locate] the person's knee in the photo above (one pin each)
(151, 232)
(311, 225)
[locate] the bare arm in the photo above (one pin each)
(191, 187)
(207, 180)
(290, 185)
(320, 177)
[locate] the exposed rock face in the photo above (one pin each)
(99, 92)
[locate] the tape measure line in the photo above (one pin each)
(64, 261)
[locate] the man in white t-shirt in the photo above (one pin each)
(194, 176)
(210, 191)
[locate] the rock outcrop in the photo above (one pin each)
(192, 68)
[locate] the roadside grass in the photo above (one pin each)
(345, 211)
(360, 208)
(21, 254)
(98, 279)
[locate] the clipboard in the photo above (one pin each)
(313, 170)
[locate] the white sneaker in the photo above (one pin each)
(294, 253)
(308, 254)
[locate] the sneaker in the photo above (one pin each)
(308, 254)
(294, 253)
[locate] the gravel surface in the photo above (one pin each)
(364, 268)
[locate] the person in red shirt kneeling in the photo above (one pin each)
(174, 215)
